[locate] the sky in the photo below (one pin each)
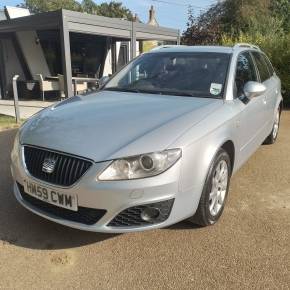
(169, 13)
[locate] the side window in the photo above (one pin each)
(269, 65)
(262, 66)
(245, 72)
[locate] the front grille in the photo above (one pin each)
(131, 217)
(84, 215)
(68, 169)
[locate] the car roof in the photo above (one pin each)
(213, 49)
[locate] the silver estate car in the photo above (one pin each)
(157, 144)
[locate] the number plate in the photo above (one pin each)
(51, 196)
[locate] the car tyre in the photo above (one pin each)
(271, 139)
(215, 191)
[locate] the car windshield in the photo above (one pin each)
(196, 74)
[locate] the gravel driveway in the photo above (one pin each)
(248, 248)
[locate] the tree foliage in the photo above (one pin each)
(114, 9)
(238, 16)
(37, 6)
(205, 28)
(111, 9)
(281, 10)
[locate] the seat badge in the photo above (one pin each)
(48, 165)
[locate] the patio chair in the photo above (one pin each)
(76, 87)
(81, 87)
(46, 85)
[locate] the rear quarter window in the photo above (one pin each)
(262, 66)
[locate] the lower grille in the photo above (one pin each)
(132, 217)
(84, 215)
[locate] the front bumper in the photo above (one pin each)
(114, 196)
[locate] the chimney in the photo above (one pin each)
(136, 18)
(152, 17)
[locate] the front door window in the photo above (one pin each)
(245, 72)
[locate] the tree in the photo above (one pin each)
(232, 17)
(37, 6)
(204, 29)
(281, 9)
(89, 6)
(111, 9)
(114, 9)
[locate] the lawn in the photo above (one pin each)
(7, 122)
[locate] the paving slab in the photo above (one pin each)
(248, 249)
(26, 108)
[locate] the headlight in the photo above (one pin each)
(141, 166)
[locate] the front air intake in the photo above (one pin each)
(143, 215)
(66, 171)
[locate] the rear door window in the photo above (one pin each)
(269, 65)
(245, 72)
(262, 66)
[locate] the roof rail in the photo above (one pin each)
(246, 45)
(164, 46)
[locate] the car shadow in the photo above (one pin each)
(22, 228)
(184, 225)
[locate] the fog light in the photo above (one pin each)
(150, 213)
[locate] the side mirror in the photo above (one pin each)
(103, 80)
(254, 89)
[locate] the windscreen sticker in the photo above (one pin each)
(215, 89)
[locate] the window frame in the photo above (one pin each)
(227, 77)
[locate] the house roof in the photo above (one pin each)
(90, 24)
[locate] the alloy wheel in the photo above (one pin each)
(219, 188)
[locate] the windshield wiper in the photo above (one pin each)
(156, 92)
(185, 94)
(176, 93)
(117, 89)
(132, 90)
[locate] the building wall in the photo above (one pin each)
(109, 65)
(33, 53)
(11, 65)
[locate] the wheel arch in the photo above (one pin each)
(229, 147)
(201, 155)
(281, 106)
